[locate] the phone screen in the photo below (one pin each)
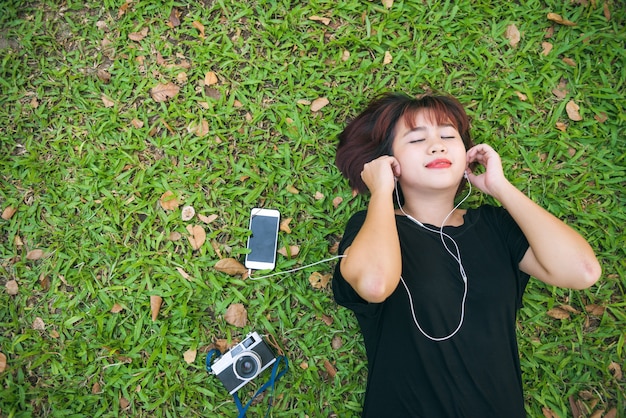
(263, 239)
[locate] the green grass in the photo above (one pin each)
(86, 183)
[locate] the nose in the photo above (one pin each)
(436, 147)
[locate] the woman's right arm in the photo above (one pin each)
(373, 264)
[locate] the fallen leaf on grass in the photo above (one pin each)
(34, 254)
(230, 266)
(330, 369)
(117, 308)
(155, 306)
(319, 280)
(201, 129)
(561, 126)
(558, 313)
(164, 91)
(513, 35)
(616, 370)
(168, 201)
(183, 273)
(96, 388)
(38, 324)
(175, 236)
(547, 47)
(607, 11)
(291, 189)
(388, 58)
(107, 102)
(595, 310)
(324, 20)
(337, 201)
(12, 287)
(138, 36)
(3, 362)
(336, 342)
(207, 219)
(387, 3)
(187, 213)
(197, 236)
(559, 19)
(190, 356)
(521, 96)
(572, 111)
(124, 403)
(284, 225)
(548, 413)
(319, 103)
(236, 315)
(174, 20)
(200, 27)
(569, 61)
(210, 78)
(290, 252)
(602, 117)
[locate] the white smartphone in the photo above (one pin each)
(263, 239)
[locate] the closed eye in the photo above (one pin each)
(415, 140)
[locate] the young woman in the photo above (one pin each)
(435, 288)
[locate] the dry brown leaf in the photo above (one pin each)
(559, 19)
(318, 196)
(175, 236)
(337, 201)
(292, 252)
(137, 123)
(164, 91)
(230, 266)
(12, 287)
(117, 308)
(330, 369)
(124, 403)
(319, 280)
(561, 126)
(291, 189)
(96, 388)
(236, 315)
(107, 102)
(336, 343)
(388, 58)
(187, 213)
(284, 225)
(387, 3)
(596, 310)
(572, 111)
(138, 36)
(345, 55)
(155, 306)
(183, 273)
(8, 212)
(190, 356)
(513, 35)
(602, 117)
(569, 61)
(174, 20)
(34, 254)
(210, 78)
(200, 27)
(548, 413)
(570, 308)
(104, 76)
(616, 369)
(328, 320)
(197, 236)
(324, 20)
(3, 362)
(38, 324)
(200, 129)
(18, 242)
(168, 201)
(304, 365)
(207, 219)
(319, 103)
(607, 11)
(547, 47)
(558, 313)
(612, 413)
(521, 96)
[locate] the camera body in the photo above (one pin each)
(243, 362)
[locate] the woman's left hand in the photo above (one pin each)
(493, 179)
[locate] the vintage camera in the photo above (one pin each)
(243, 362)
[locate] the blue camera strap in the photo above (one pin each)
(271, 383)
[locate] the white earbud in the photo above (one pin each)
(465, 175)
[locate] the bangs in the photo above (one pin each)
(438, 110)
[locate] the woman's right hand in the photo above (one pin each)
(380, 175)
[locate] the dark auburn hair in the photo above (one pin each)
(370, 135)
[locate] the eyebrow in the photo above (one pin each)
(422, 128)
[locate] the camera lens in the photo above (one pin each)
(247, 366)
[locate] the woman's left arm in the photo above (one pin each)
(558, 255)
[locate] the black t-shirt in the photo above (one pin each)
(475, 373)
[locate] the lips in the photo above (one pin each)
(440, 163)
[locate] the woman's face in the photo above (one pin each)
(432, 156)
